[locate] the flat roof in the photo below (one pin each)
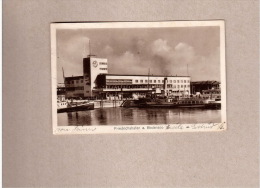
(73, 78)
(142, 75)
(81, 77)
(206, 82)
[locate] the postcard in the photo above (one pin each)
(138, 77)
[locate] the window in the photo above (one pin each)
(158, 81)
(150, 81)
(154, 81)
(178, 81)
(81, 81)
(181, 81)
(181, 86)
(136, 81)
(141, 81)
(170, 81)
(184, 81)
(174, 81)
(145, 81)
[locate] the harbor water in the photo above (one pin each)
(138, 116)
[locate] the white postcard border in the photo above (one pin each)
(197, 127)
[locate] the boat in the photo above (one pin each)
(70, 105)
(174, 103)
(192, 103)
(166, 102)
(156, 102)
(214, 104)
(73, 106)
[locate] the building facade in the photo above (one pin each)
(139, 85)
(92, 67)
(96, 82)
(200, 86)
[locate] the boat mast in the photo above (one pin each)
(63, 75)
(89, 48)
(187, 75)
(64, 82)
(148, 79)
(191, 92)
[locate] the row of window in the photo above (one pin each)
(161, 81)
(191, 102)
(63, 103)
(74, 81)
(74, 88)
(102, 63)
(178, 91)
(127, 86)
(136, 81)
(213, 92)
(102, 68)
(144, 86)
(121, 80)
(178, 86)
(179, 81)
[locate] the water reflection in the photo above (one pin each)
(138, 116)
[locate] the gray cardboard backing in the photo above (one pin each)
(34, 157)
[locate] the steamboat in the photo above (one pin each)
(155, 101)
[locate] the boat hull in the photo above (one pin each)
(195, 103)
(172, 106)
(213, 106)
(192, 106)
(77, 108)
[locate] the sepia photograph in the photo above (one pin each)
(134, 77)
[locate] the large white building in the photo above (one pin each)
(139, 85)
(96, 82)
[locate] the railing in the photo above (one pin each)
(123, 89)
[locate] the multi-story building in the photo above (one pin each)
(96, 82)
(82, 86)
(200, 86)
(139, 85)
(92, 67)
(74, 86)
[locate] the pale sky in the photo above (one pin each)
(166, 51)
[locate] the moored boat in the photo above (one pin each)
(193, 102)
(66, 106)
(214, 104)
(176, 103)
